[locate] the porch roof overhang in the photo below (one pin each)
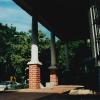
(68, 20)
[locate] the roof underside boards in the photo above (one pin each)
(68, 20)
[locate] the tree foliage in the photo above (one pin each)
(72, 47)
(14, 49)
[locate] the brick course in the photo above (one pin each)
(34, 76)
(53, 77)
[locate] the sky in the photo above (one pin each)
(12, 14)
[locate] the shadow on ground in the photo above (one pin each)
(44, 96)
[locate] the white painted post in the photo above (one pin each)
(34, 64)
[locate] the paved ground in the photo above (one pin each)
(57, 89)
(21, 96)
(57, 93)
(44, 96)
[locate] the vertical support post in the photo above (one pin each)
(34, 64)
(53, 68)
(96, 31)
(53, 51)
(95, 46)
(66, 57)
(93, 38)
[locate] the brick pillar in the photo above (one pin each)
(34, 76)
(53, 76)
(53, 68)
(34, 68)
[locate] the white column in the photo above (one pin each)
(93, 37)
(53, 68)
(95, 47)
(96, 31)
(34, 47)
(34, 64)
(53, 52)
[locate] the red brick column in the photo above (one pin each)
(53, 76)
(34, 76)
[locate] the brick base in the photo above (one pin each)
(53, 77)
(34, 76)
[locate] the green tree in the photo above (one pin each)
(72, 47)
(14, 49)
